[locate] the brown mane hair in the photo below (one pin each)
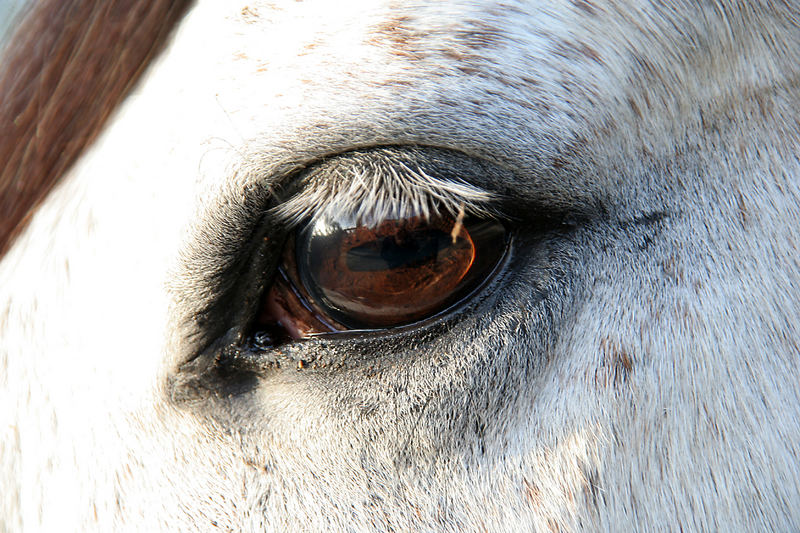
(68, 64)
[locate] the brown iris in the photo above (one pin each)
(369, 275)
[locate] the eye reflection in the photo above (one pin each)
(339, 274)
(397, 271)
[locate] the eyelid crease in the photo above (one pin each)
(379, 188)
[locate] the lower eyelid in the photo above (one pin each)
(286, 308)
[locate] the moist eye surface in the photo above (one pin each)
(387, 273)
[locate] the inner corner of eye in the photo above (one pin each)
(341, 272)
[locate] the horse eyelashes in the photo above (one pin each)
(338, 274)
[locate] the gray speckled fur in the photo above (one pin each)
(636, 371)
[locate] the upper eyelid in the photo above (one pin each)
(381, 184)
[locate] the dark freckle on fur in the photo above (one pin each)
(683, 312)
(469, 70)
(532, 493)
(649, 219)
(635, 107)
(579, 51)
(402, 39)
(403, 83)
(592, 490)
(765, 105)
(616, 365)
(590, 52)
(468, 40)
(645, 70)
(503, 10)
(585, 5)
(673, 271)
(480, 35)
(447, 103)
(249, 14)
(742, 207)
(703, 122)
(455, 55)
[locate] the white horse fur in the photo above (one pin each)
(635, 368)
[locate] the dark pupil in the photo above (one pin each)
(403, 250)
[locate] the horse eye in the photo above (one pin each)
(339, 274)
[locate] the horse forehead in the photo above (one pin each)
(471, 36)
(383, 44)
(565, 64)
(390, 46)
